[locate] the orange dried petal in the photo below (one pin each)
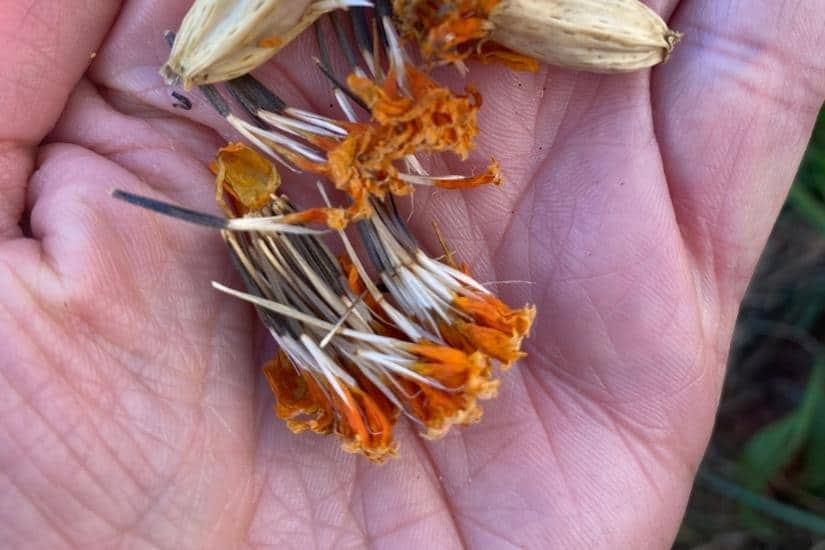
(461, 378)
(445, 30)
(455, 30)
(492, 175)
(491, 53)
(248, 177)
(298, 399)
(366, 423)
(335, 218)
(494, 343)
(489, 311)
(363, 418)
(432, 120)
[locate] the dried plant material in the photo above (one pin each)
(223, 39)
(354, 357)
(454, 30)
(410, 115)
(364, 163)
(415, 336)
(440, 297)
(248, 177)
(492, 53)
(362, 418)
(602, 36)
(348, 365)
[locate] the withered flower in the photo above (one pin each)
(352, 356)
(345, 324)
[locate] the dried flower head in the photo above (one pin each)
(356, 350)
(592, 35)
(352, 356)
(223, 39)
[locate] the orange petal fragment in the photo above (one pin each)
(489, 311)
(363, 418)
(367, 424)
(498, 345)
(490, 52)
(490, 176)
(445, 30)
(495, 330)
(457, 30)
(298, 398)
(461, 379)
(335, 218)
(432, 119)
(246, 176)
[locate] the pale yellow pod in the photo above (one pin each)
(603, 36)
(223, 39)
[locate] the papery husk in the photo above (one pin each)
(223, 39)
(602, 36)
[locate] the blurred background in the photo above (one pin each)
(762, 483)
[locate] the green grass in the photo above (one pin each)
(762, 484)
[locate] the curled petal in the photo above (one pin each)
(461, 379)
(489, 311)
(490, 176)
(299, 399)
(490, 52)
(498, 345)
(246, 176)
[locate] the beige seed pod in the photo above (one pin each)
(603, 36)
(223, 39)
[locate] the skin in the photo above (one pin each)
(132, 409)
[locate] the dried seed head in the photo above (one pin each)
(604, 36)
(594, 35)
(223, 39)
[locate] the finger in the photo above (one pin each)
(733, 111)
(44, 48)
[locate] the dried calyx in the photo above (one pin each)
(223, 39)
(593, 35)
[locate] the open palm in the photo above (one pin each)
(132, 409)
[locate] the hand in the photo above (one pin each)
(132, 408)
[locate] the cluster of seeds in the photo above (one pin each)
(362, 343)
